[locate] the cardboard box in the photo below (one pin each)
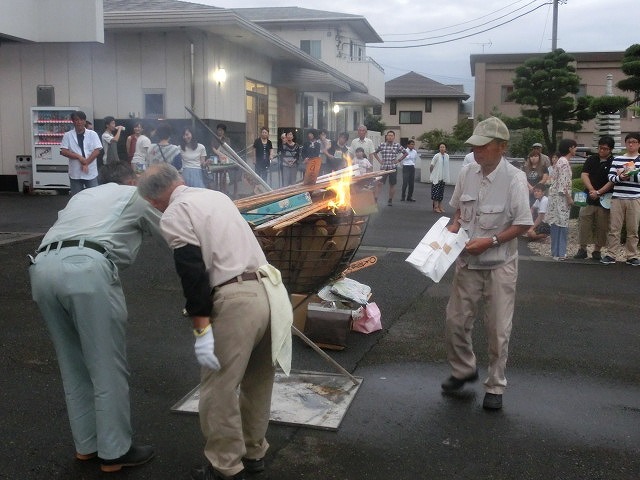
(328, 327)
(271, 210)
(299, 303)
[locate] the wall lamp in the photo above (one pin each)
(220, 75)
(336, 108)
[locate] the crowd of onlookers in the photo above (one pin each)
(607, 195)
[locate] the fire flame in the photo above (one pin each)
(342, 187)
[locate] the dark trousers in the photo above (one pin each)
(408, 177)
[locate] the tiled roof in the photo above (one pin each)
(413, 84)
(142, 5)
(266, 14)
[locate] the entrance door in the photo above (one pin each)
(257, 110)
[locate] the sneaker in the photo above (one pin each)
(596, 255)
(452, 383)
(402, 199)
(390, 203)
(607, 260)
(492, 401)
(634, 262)
(137, 455)
(582, 254)
(207, 472)
(410, 200)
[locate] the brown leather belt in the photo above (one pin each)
(245, 277)
(73, 243)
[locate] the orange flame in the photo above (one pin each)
(342, 187)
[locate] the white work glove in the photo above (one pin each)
(204, 349)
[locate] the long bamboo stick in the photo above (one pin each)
(231, 153)
(292, 217)
(248, 203)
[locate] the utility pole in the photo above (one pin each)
(554, 35)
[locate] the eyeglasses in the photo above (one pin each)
(631, 141)
(603, 147)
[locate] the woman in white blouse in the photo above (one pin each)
(439, 176)
(194, 156)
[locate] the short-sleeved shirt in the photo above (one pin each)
(412, 156)
(366, 145)
(162, 153)
(488, 205)
(598, 171)
(110, 148)
(143, 144)
(541, 204)
(191, 156)
(388, 155)
(90, 142)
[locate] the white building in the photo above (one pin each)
(152, 58)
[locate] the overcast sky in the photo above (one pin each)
(583, 26)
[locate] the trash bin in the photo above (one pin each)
(24, 172)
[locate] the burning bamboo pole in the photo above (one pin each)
(254, 201)
(294, 216)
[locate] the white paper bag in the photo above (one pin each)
(438, 250)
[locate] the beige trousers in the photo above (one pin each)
(593, 225)
(624, 211)
(235, 402)
(496, 289)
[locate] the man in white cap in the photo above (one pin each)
(536, 149)
(491, 203)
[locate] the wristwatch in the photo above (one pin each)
(494, 241)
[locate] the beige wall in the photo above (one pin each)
(443, 116)
(490, 78)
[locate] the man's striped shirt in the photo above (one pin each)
(624, 189)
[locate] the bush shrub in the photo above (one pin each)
(576, 171)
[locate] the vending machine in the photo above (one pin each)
(48, 125)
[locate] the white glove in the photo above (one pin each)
(204, 350)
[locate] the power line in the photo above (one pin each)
(451, 26)
(464, 36)
(466, 29)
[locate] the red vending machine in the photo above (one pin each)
(48, 125)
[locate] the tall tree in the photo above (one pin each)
(549, 85)
(631, 67)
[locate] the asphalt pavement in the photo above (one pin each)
(571, 409)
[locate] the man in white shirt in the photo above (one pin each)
(409, 171)
(82, 147)
(363, 142)
(110, 139)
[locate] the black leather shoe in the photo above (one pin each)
(207, 472)
(452, 383)
(137, 455)
(581, 255)
(253, 465)
(492, 401)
